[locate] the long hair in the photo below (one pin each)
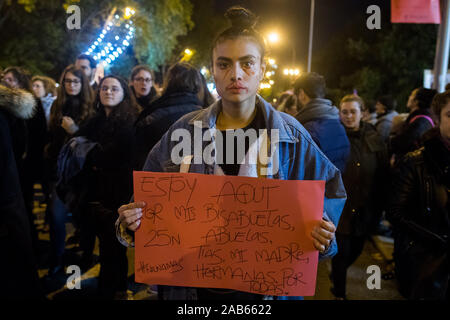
(127, 110)
(85, 95)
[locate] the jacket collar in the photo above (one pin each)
(273, 119)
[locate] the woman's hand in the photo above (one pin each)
(69, 125)
(130, 215)
(322, 235)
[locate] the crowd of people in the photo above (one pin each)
(82, 139)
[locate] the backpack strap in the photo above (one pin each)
(422, 116)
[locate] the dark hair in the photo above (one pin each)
(243, 22)
(208, 98)
(388, 102)
(49, 84)
(86, 96)
(182, 77)
(92, 62)
(22, 76)
(138, 69)
(440, 100)
(127, 110)
(313, 84)
(424, 97)
(288, 103)
(353, 98)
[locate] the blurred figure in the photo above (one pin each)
(321, 118)
(385, 109)
(142, 79)
(71, 109)
(419, 121)
(183, 93)
(112, 179)
(36, 137)
(44, 88)
(289, 105)
(419, 212)
(18, 270)
(89, 66)
(363, 181)
(368, 114)
(204, 95)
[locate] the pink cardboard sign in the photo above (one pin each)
(415, 11)
(240, 233)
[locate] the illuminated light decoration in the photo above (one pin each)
(204, 71)
(57, 85)
(271, 82)
(286, 72)
(116, 38)
(268, 74)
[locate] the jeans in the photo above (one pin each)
(58, 221)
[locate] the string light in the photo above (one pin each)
(113, 32)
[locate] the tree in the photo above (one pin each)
(35, 34)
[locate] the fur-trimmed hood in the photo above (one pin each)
(19, 103)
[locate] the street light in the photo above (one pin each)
(273, 37)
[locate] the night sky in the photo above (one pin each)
(291, 18)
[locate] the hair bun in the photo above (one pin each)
(241, 18)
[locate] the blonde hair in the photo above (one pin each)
(353, 98)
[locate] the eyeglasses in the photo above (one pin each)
(69, 81)
(146, 80)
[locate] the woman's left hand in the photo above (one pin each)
(322, 235)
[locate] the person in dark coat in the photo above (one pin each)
(142, 79)
(181, 95)
(70, 110)
(363, 181)
(419, 212)
(18, 270)
(31, 169)
(111, 180)
(385, 109)
(419, 121)
(321, 118)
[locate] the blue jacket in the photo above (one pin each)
(298, 156)
(321, 119)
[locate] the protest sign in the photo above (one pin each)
(240, 233)
(415, 11)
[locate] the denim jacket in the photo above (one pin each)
(299, 158)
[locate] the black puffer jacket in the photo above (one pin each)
(419, 212)
(364, 181)
(154, 121)
(408, 139)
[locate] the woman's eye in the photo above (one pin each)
(248, 64)
(222, 65)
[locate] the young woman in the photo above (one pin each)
(141, 82)
(182, 94)
(419, 212)
(70, 110)
(362, 180)
(44, 88)
(238, 67)
(111, 184)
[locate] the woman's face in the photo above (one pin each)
(350, 114)
(444, 122)
(38, 89)
(142, 83)
(72, 84)
(111, 92)
(237, 69)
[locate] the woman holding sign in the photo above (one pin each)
(238, 67)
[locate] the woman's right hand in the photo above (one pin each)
(130, 215)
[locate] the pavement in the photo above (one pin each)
(377, 251)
